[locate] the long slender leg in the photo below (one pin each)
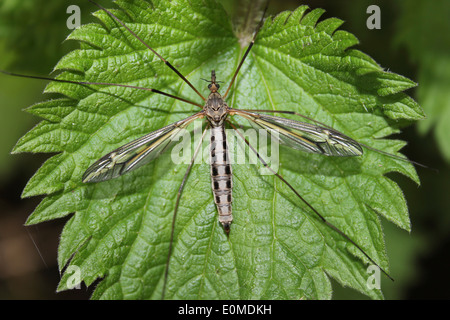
(246, 53)
(145, 44)
(326, 126)
(180, 191)
(309, 205)
(102, 84)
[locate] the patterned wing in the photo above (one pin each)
(304, 136)
(136, 153)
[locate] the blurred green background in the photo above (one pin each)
(414, 41)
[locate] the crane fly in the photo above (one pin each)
(298, 135)
(315, 138)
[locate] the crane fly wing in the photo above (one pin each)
(136, 153)
(304, 136)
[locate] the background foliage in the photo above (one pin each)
(427, 208)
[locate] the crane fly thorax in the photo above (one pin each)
(216, 109)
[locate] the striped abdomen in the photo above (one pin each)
(221, 177)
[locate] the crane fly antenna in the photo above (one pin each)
(209, 80)
(247, 51)
(332, 226)
(151, 49)
(100, 84)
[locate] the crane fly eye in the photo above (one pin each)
(217, 86)
(209, 86)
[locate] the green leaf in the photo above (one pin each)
(277, 247)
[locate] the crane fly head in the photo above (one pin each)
(213, 86)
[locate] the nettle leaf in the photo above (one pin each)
(277, 247)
